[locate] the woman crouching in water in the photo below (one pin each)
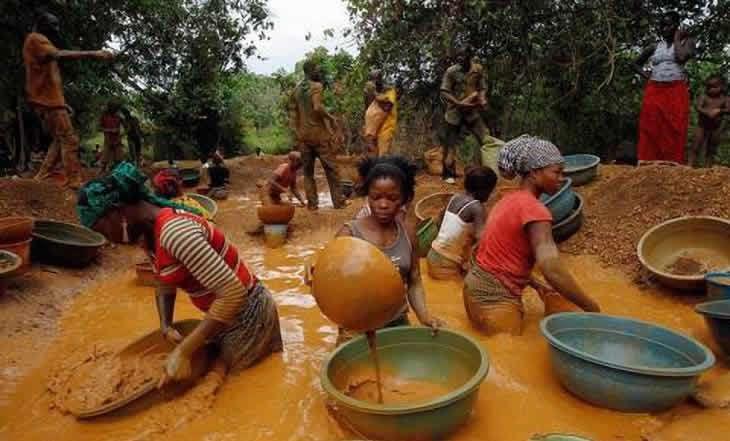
(518, 236)
(389, 183)
(190, 253)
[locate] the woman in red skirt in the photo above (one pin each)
(664, 117)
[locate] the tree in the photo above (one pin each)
(173, 53)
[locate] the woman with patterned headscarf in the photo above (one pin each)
(518, 236)
(190, 253)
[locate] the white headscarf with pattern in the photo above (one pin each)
(526, 153)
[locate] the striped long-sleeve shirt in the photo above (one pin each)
(194, 255)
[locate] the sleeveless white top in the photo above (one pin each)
(664, 66)
(455, 235)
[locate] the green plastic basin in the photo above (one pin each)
(449, 359)
(426, 232)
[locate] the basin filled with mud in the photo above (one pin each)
(429, 383)
(679, 252)
(106, 380)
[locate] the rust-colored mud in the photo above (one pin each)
(395, 390)
(102, 378)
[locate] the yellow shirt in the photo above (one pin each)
(391, 121)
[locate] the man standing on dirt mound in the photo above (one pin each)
(463, 91)
(44, 90)
(313, 128)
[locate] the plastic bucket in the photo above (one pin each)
(22, 249)
(718, 285)
(426, 232)
(275, 235)
(434, 159)
(490, 152)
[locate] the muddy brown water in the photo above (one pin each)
(281, 397)
(373, 346)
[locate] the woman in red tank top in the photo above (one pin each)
(518, 236)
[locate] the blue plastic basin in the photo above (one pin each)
(561, 203)
(581, 168)
(717, 317)
(623, 364)
(718, 285)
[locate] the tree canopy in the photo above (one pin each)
(561, 69)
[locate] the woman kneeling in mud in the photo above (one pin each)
(190, 253)
(389, 183)
(518, 235)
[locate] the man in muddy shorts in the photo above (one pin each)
(313, 128)
(44, 90)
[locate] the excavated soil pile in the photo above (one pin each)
(44, 200)
(621, 209)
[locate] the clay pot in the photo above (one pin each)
(356, 285)
(15, 229)
(276, 214)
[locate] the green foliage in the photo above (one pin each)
(556, 69)
(174, 59)
(273, 140)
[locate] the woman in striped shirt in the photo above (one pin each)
(189, 253)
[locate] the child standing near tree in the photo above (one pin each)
(711, 107)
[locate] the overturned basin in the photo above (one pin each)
(450, 360)
(704, 239)
(621, 363)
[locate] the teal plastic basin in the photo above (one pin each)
(561, 203)
(717, 317)
(624, 364)
(450, 359)
(581, 168)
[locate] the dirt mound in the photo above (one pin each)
(620, 209)
(45, 200)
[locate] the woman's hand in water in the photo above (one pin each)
(433, 322)
(178, 366)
